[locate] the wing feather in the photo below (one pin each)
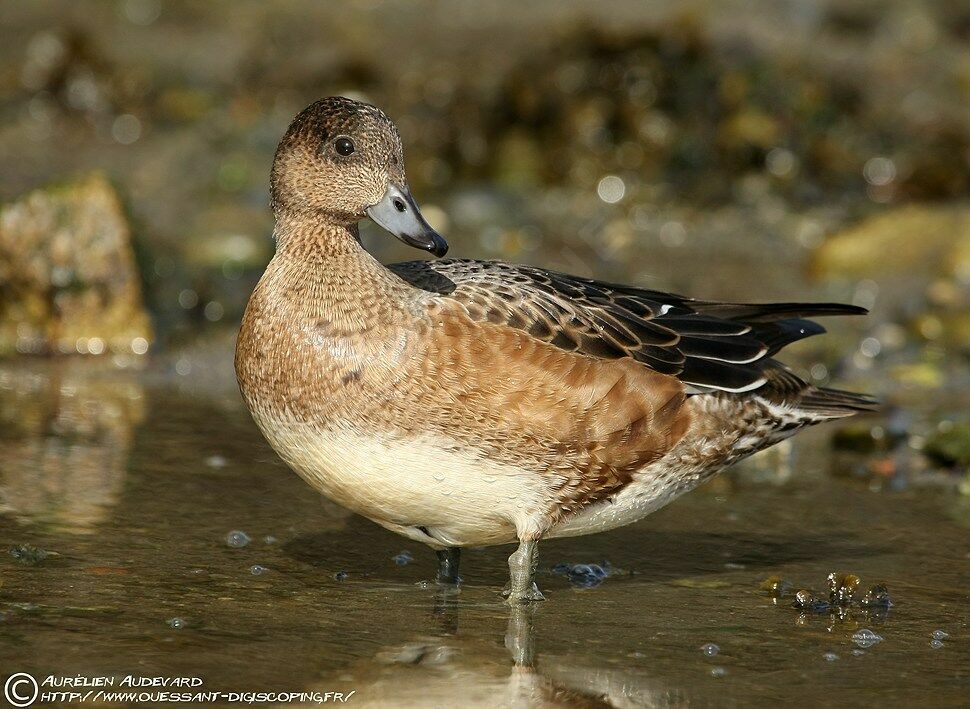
(709, 345)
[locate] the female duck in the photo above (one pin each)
(468, 403)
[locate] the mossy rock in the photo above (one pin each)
(915, 241)
(950, 447)
(68, 277)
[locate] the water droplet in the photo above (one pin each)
(718, 672)
(830, 657)
(439, 477)
(940, 635)
(936, 644)
(403, 558)
(237, 539)
(176, 623)
(257, 570)
(611, 189)
(710, 649)
(341, 576)
(269, 539)
(215, 461)
(126, 129)
(865, 638)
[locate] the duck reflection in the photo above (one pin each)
(445, 668)
(66, 429)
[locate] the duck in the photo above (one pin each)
(469, 403)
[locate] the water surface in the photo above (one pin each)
(134, 483)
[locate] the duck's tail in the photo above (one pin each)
(817, 404)
(836, 403)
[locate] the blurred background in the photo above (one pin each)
(765, 150)
(794, 150)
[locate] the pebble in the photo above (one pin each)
(583, 575)
(237, 539)
(28, 555)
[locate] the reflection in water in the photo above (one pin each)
(66, 429)
(435, 669)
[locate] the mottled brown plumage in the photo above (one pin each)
(468, 402)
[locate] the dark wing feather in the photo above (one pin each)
(709, 345)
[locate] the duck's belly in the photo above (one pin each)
(445, 495)
(460, 498)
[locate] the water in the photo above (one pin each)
(106, 471)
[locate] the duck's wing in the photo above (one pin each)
(707, 345)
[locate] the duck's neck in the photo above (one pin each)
(328, 274)
(315, 241)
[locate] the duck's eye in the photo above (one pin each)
(343, 146)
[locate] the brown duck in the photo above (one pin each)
(468, 403)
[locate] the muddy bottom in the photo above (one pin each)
(135, 489)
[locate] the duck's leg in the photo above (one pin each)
(522, 569)
(448, 559)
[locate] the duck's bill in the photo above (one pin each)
(398, 213)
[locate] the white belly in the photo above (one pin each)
(461, 498)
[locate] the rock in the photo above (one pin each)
(950, 446)
(69, 279)
(915, 241)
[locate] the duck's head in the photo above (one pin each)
(341, 161)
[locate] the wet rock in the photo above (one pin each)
(844, 599)
(29, 555)
(950, 445)
(876, 597)
(70, 282)
(583, 575)
(807, 601)
(776, 586)
(842, 588)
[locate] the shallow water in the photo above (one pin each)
(135, 485)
